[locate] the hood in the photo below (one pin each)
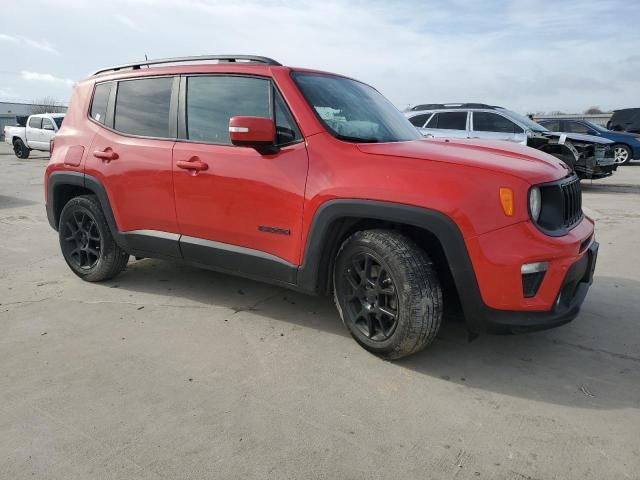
(523, 162)
(579, 137)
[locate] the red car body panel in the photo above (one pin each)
(241, 189)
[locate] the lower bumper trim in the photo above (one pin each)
(572, 293)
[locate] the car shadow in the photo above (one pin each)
(586, 363)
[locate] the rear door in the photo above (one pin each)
(244, 210)
(131, 155)
(447, 125)
(493, 126)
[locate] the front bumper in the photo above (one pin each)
(572, 293)
(496, 299)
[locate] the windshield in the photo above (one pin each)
(530, 124)
(354, 112)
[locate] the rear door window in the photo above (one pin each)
(142, 107)
(449, 121)
(492, 122)
(99, 103)
(35, 122)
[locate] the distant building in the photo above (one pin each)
(9, 111)
(597, 118)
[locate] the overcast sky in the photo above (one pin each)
(526, 55)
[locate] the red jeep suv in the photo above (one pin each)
(314, 181)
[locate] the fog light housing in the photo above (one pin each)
(532, 276)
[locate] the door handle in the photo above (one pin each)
(107, 155)
(194, 164)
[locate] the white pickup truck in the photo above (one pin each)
(36, 135)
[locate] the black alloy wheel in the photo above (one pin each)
(81, 240)
(371, 297)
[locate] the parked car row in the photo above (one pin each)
(591, 157)
(626, 145)
(34, 134)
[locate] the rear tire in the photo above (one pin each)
(20, 149)
(387, 293)
(621, 154)
(86, 241)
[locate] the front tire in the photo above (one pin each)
(86, 241)
(621, 154)
(387, 293)
(20, 149)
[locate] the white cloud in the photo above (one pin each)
(45, 77)
(43, 45)
(8, 38)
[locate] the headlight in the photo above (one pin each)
(535, 203)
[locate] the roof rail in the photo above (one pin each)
(435, 106)
(197, 58)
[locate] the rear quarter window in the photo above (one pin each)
(419, 120)
(99, 103)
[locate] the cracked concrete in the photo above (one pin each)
(172, 372)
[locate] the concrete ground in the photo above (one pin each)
(178, 373)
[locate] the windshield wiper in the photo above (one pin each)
(347, 138)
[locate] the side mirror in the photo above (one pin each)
(255, 132)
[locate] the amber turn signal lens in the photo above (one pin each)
(506, 200)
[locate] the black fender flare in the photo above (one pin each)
(436, 223)
(136, 243)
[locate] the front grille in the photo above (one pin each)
(561, 206)
(571, 201)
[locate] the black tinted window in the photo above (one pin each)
(99, 103)
(552, 125)
(58, 121)
(35, 122)
(420, 120)
(286, 128)
(491, 122)
(450, 121)
(212, 101)
(142, 107)
(576, 127)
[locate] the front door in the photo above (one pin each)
(237, 209)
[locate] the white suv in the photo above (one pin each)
(590, 156)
